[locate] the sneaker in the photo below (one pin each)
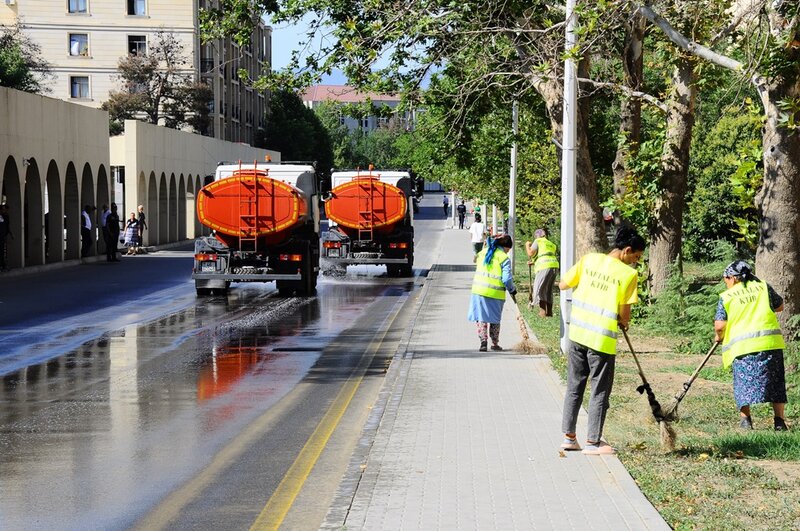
(747, 423)
(497, 348)
(483, 347)
(780, 424)
(599, 448)
(570, 445)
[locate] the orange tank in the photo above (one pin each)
(250, 205)
(366, 203)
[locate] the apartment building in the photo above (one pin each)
(316, 95)
(84, 39)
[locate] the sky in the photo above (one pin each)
(287, 38)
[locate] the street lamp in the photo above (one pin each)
(568, 167)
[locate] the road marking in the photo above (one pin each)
(279, 504)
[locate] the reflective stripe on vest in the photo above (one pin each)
(546, 255)
(488, 280)
(595, 303)
(752, 325)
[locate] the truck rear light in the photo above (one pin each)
(291, 257)
(331, 245)
(401, 245)
(204, 257)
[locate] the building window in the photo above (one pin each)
(365, 123)
(136, 7)
(78, 44)
(137, 44)
(79, 87)
(77, 6)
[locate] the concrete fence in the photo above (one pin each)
(56, 157)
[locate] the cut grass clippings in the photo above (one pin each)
(719, 477)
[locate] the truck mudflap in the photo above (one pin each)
(254, 277)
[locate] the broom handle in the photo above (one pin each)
(630, 347)
(530, 283)
(687, 384)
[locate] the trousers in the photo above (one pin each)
(584, 365)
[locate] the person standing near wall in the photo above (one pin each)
(446, 205)
(142, 219)
(542, 255)
(86, 230)
(5, 233)
(605, 287)
(112, 234)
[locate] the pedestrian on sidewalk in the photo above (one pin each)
(477, 232)
(605, 287)
(489, 285)
(86, 230)
(446, 205)
(542, 256)
(132, 234)
(461, 210)
(112, 233)
(752, 343)
(142, 219)
(5, 234)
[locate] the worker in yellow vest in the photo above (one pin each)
(542, 255)
(489, 286)
(752, 343)
(604, 287)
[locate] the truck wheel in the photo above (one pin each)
(406, 271)
(284, 289)
(203, 292)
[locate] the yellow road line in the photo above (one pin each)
(277, 507)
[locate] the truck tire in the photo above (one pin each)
(203, 292)
(285, 289)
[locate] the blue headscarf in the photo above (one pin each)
(491, 247)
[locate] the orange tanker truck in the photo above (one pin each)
(371, 220)
(265, 218)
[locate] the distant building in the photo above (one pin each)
(316, 95)
(84, 40)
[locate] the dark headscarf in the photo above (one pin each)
(741, 270)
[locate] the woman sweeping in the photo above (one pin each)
(489, 285)
(752, 342)
(542, 254)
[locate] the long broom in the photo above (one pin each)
(527, 345)
(672, 410)
(667, 432)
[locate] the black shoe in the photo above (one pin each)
(746, 423)
(780, 424)
(483, 347)
(497, 348)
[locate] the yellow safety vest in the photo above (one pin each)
(545, 256)
(488, 279)
(752, 325)
(595, 302)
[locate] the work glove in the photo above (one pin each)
(513, 293)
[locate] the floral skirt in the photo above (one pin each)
(759, 378)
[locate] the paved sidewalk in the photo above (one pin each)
(469, 440)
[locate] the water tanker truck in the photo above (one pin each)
(265, 218)
(371, 220)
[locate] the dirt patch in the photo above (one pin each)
(787, 473)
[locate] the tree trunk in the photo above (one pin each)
(778, 202)
(589, 231)
(666, 232)
(630, 112)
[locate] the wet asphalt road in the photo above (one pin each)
(126, 401)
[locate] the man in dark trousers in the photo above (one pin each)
(86, 230)
(5, 233)
(461, 210)
(112, 234)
